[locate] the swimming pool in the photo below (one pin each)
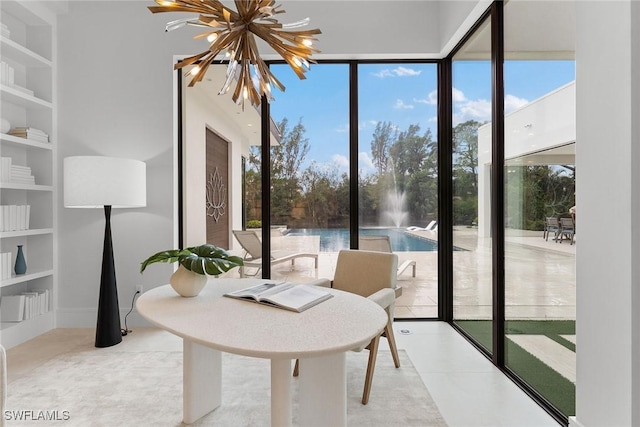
(335, 239)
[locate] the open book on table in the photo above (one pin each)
(283, 295)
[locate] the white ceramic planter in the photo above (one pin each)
(187, 283)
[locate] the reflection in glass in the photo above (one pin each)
(539, 193)
(472, 267)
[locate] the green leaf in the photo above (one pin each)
(204, 259)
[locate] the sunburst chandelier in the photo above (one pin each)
(231, 37)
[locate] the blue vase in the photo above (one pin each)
(21, 264)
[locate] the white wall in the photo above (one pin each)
(608, 102)
(115, 99)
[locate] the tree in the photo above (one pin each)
(286, 160)
(410, 150)
(384, 136)
(465, 153)
(319, 184)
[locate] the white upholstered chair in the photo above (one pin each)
(371, 275)
(383, 244)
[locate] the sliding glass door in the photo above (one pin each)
(472, 239)
(539, 185)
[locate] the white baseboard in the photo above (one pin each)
(86, 318)
(573, 422)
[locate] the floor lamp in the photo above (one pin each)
(105, 182)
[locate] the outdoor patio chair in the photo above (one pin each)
(567, 230)
(372, 275)
(432, 226)
(253, 253)
(551, 225)
(383, 244)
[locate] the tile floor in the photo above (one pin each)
(468, 389)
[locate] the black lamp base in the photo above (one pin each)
(108, 331)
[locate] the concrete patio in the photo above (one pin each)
(540, 275)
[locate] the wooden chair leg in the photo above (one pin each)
(296, 368)
(373, 352)
(388, 332)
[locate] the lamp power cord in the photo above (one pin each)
(126, 330)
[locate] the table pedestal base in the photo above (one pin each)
(323, 391)
(202, 381)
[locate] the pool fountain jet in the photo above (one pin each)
(394, 208)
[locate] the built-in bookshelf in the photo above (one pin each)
(28, 147)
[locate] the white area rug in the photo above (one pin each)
(143, 387)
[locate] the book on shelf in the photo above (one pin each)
(5, 169)
(30, 133)
(283, 295)
(14, 217)
(12, 308)
(5, 265)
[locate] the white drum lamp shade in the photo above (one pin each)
(96, 181)
(105, 182)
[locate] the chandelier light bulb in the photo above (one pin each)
(234, 32)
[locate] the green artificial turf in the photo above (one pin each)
(559, 391)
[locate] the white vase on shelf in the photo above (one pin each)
(5, 126)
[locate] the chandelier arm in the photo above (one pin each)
(190, 60)
(263, 68)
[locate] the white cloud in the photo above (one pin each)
(512, 103)
(402, 106)
(365, 124)
(343, 129)
(458, 95)
(341, 161)
(479, 110)
(402, 71)
(431, 99)
(397, 72)
(365, 163)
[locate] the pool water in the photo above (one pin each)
(335, 239)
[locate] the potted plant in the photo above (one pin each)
(196, 263)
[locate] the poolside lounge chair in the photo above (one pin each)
(551, 225)
(432, 226)
(253, 253)
(383, 244)
(567, 230)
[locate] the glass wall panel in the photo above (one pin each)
(539, 199)
(472, 264)
(310, 169)
(398, 172)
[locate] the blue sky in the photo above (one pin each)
(402, 94)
